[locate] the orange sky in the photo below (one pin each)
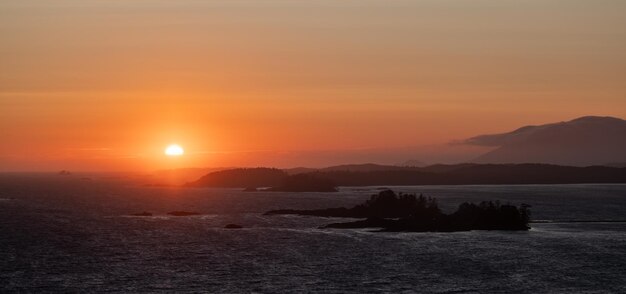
(106, 85)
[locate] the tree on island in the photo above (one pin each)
(408, 212)
(387, 204)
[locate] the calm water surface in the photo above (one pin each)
(68, 234)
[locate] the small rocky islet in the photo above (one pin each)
(411, 213)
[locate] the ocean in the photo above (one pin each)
(74, 234)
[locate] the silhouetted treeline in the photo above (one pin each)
(305, 183)
(408, 212)
(385, 204)
(432, 175)
(490, 216)
(242, 177)
(467, 174)
(277, 180)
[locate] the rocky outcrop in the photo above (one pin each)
(407, 212)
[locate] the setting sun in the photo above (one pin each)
(174, 150)
(213, 145)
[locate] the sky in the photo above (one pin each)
(107, 85)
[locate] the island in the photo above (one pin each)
(305, 183)
(277, 180)
(411, 213)
(319, 180)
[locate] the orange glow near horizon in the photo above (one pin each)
(105, 85)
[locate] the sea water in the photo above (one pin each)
(72, 234)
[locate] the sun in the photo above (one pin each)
(174, 150)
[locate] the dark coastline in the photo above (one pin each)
(325, 180)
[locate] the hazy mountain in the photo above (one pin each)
(363, 167)
(589, 140)
(433, 175)
(241, 177)
(366, 167)
(299, 170)
(413, 163)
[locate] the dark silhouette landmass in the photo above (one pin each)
(305, 183)
(617, 164)
(480, 174)
(457, 174)
(271, 178)
(300, 170)
(408, 212)
(413, 163)
(241, 177)
(65, 173)
(364, 167)
(589, 140)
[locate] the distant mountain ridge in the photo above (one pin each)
(271, 179)
(460, 174)
(242, 178)
(364, 167)
(585, 141)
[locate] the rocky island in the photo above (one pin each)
(408, 212)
